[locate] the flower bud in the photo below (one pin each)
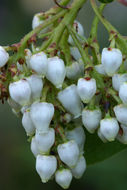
(63, 178)
(28, 55)
(46, 167)
(41, 114)
(80, 168)
(36, 85)
(121, 113)
(19, 66)
(66, 118)
(117, 80)
(56, 71)
(4, 57)
(38, 63)
(109, 128)
(75, 70)
(28, 124)
(69, 153)
(75, 53)
(36, 21)
(104, 140)
(111, 60)
(78, 135)
(123, 92)
(70, 100)
(20, 92)
(34, 148)
(86, 89)
(123, 137)
(79, 29)
(91, 119)
(100, 69)
(44, 141)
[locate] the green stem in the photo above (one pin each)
(69, 18)
(65, 48)
(93, 38)
(120, 41)
(114, 95)
(85, 57)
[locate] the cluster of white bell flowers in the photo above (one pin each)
(56, 125)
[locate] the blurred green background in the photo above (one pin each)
(17, 164)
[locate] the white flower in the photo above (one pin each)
(20, 92)
(44, 141)
(75, 53)
(19, 66)
(34, 148)
(4, 57)
(66, 118)
(28, 55)
(56, 71)
(104, 140)
(121, 113)
(78, 135)
(69, 153)
(39, 63)
(75, 70)
(123, 137)
(100, 69)
(123, 92)
(80, 168)
(36, 21)
(109, 128)
(79, 29)
(70, 100)
(27, 123)
(86, 89)
(111, 60)
(63, 177)
(91, 119)
(117, 80)
(36, 85)
(46, 167)
(41, 114)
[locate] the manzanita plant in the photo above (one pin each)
(72, 98)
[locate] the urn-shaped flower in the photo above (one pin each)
(45, 140)
(4, 57)
(63, 177)
(121, 113)
(39, 63)
(20, 92)
(36, 85)
(86, 89)
(80, 168)
(28, 124)
(56, 71)
(91, 119)
(78, 135)
(69, 153)
(46, 167)
(41, 114)
(111, 60)
(109, 128)
(71, 100)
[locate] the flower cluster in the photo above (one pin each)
(60, 92)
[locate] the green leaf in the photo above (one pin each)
(106, 1)
(96, 150)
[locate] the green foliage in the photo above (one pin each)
(96, 151)
(106, 1)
